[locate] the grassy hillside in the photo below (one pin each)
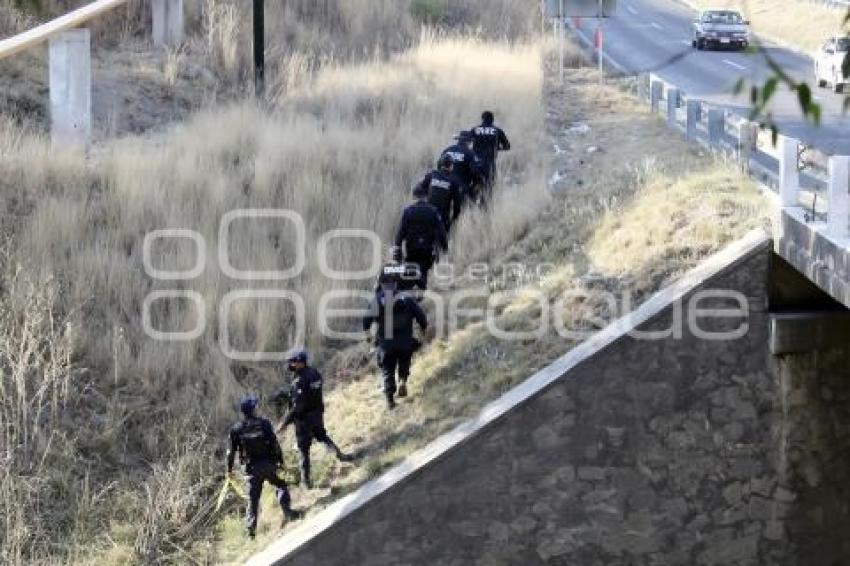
(129, 427)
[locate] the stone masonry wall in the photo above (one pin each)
(671, 451)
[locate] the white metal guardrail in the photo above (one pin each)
(70, 60)
(819, 183)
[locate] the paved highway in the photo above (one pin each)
(645, 34)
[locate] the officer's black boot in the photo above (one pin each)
(340, 455)
(390, 401)
(251, 533)
(402, 388)
(290, 514)
(305, 473)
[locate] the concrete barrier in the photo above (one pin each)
(716, 125)
(675, 450)
(673, 95)
(656, 91)
(838, 198)
(789, 174)
(694, 115)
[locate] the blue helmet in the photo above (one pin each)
(248, 404)
(297, 356)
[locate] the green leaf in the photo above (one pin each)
(739, 86)
(816, 113)
(769, 89)
(804, 95)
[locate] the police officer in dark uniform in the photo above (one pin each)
(421, 236)
(466, 165)
(254, 440)
(487, 141)
(394, 313)
(306, 412)
(444, 191)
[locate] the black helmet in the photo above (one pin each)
(445, 161)
(420, 191)
(464, 136)
(248, 405)
(487, 117)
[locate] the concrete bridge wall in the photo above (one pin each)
(673, 451)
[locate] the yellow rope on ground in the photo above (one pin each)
(229, 484)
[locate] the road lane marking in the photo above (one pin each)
(656, 26)
(734, 64)
(632, 10)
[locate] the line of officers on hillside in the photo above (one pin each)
(465, 175)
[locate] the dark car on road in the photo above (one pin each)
(715, 29)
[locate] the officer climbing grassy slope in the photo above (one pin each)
(254, 440)
(444, 191)
(467, 167)
(421, 235)
(306, 412)
(394, 314)
(487, 141)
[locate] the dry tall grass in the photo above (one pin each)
(806, 24)
(343, 150)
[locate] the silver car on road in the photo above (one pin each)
(721, 28)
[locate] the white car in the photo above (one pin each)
(828, 62)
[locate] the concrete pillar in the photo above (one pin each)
(694, 110)
(789, 175)
(747, 143)
(70, 87)
(167, 21)
(716, 125)
(672, 105)
(838, 198)
(656, 89)
(643, 86)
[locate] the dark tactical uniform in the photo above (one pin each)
(254, 440)
(445, 194)
(395, 336)
(421, 235)
(307, 409)
(487, 141)
(466, 166)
